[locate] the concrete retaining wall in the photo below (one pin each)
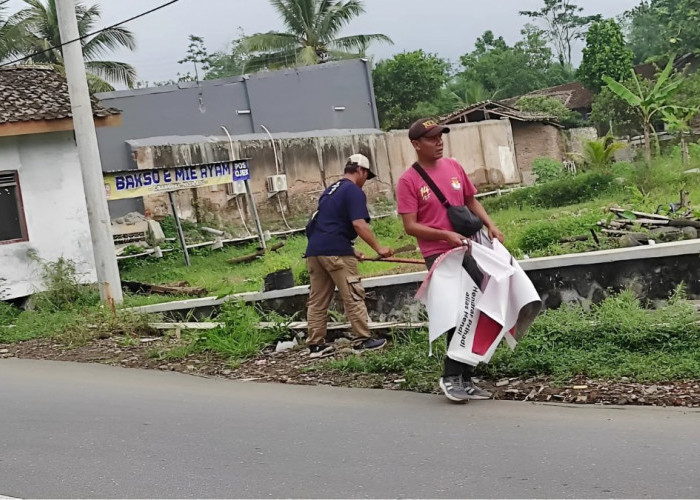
(312, 161)
(652, 272)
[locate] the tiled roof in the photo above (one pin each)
(29, 93)
(499, 109)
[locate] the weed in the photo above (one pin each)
(547, 169)
(63, 290)
(239, 338)
(8, 314)
(128, 341)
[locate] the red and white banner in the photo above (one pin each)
(503, 306)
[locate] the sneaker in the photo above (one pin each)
(452, 387)
(473, 391)
(371, 344)
(316, 351)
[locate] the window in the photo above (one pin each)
(12, 224)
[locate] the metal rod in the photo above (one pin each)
(397, 260)
(180, 234)
(258, 226)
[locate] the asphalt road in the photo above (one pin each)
(77, 430)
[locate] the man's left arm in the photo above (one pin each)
(478, 210)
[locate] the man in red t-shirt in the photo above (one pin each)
(426, 218)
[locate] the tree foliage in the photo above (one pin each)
(407, 85)
(610, 113)
(564, 23)
(510, 71)
(311, 37)
(229, 62)
(8, 34)
(605, 54)
(36, 27)
(658, 28)
(197, 55)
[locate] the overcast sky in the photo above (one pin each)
(445, 27)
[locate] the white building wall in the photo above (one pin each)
(54, 208)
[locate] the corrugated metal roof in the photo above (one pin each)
(499, 109)
(573, 95)
(30, 93)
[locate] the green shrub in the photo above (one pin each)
(566, 191)
(547, 169)
(540, 235)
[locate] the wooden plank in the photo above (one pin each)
(640, 214)
(652, 222)
(303, 325)
(57, 125)
(186, 326)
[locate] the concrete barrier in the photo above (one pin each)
(652, 272)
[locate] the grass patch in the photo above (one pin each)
(240, 338)
(407, 356)
(67, 311)
(617, 338)
(210, 269)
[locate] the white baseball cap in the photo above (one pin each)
(361, 161)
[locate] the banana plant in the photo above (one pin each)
(677, 120)
(649, 104)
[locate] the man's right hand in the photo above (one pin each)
(385, 252)
(455, 239)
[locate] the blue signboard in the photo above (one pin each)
(241, 171)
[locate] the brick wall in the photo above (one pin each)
(533, 140)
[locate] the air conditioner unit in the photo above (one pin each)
(237, 187)
(276, 183)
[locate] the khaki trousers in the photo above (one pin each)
(327, 273)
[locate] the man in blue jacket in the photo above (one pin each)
(332, 260)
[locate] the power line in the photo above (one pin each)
(88, 34)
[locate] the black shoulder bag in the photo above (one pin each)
(462, 219)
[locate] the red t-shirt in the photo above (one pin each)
(415, 197)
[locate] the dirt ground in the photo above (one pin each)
(292, 367)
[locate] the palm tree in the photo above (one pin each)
(311, 36)
(599, 154)
(38, 24)
(465, 94)
(8, 34)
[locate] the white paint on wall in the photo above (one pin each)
(54, 208)
(507, 162)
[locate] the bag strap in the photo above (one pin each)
(432, 185)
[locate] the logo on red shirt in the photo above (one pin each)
(456, 185)
(425, 193)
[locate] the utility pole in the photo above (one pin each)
(89, 154)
